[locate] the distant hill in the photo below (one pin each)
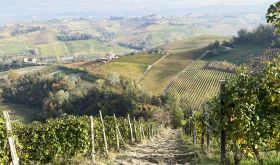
(28, 10)
(64, 37)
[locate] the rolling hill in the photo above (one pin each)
(116, 35)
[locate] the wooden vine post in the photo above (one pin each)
(104, 134)
(152, 130)
(223, 132)
(140, 130)
(207, 127)
(117, 132)
(135, 129)
(92, 139)
(193, 131)
(148, 131)
(130, 128)
(15, 159)
(143, 131)
(190, 126)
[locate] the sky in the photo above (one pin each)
(123, 4)
(21, 8)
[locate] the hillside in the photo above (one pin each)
(182, 73)
(113, 35)
(118, 82)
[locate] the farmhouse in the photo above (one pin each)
(30, 60)
(69, 59)
(108, 57)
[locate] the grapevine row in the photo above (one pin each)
(70, 136)
(197, 85)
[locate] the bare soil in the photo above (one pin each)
(164, 149)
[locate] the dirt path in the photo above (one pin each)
(150, 67)
(165, 149)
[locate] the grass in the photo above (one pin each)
(12, 46)
(240, 54)
(53, 49)
(146, 59)
(45, 37)
(167, 69)
(19, 112)
(213, 157)
(128, 67)
(29, 70)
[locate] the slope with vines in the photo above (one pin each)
(195, 85)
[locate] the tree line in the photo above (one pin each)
(74, 36)
(60, 94)
(261, 35)
(25, 30)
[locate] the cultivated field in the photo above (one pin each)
(197, 85)
(161, 74)
(192, 43)
(239, 54)
(128, 67)
(92, 47)
(11, 46)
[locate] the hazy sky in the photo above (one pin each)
(41, 7)
(123, 4)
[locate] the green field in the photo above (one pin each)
(53, 49)
(240, 54)
(11, 46)
(192, 43)
(19, 112)
(128, 67)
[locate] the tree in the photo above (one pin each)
(273, 15)
(172, 105)
(53, 104)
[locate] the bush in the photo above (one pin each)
(221, 66)
(172, 105)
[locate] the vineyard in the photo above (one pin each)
(195, 85)
(242, 122)
(71, 136)
(161, 74)
(12, 46)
